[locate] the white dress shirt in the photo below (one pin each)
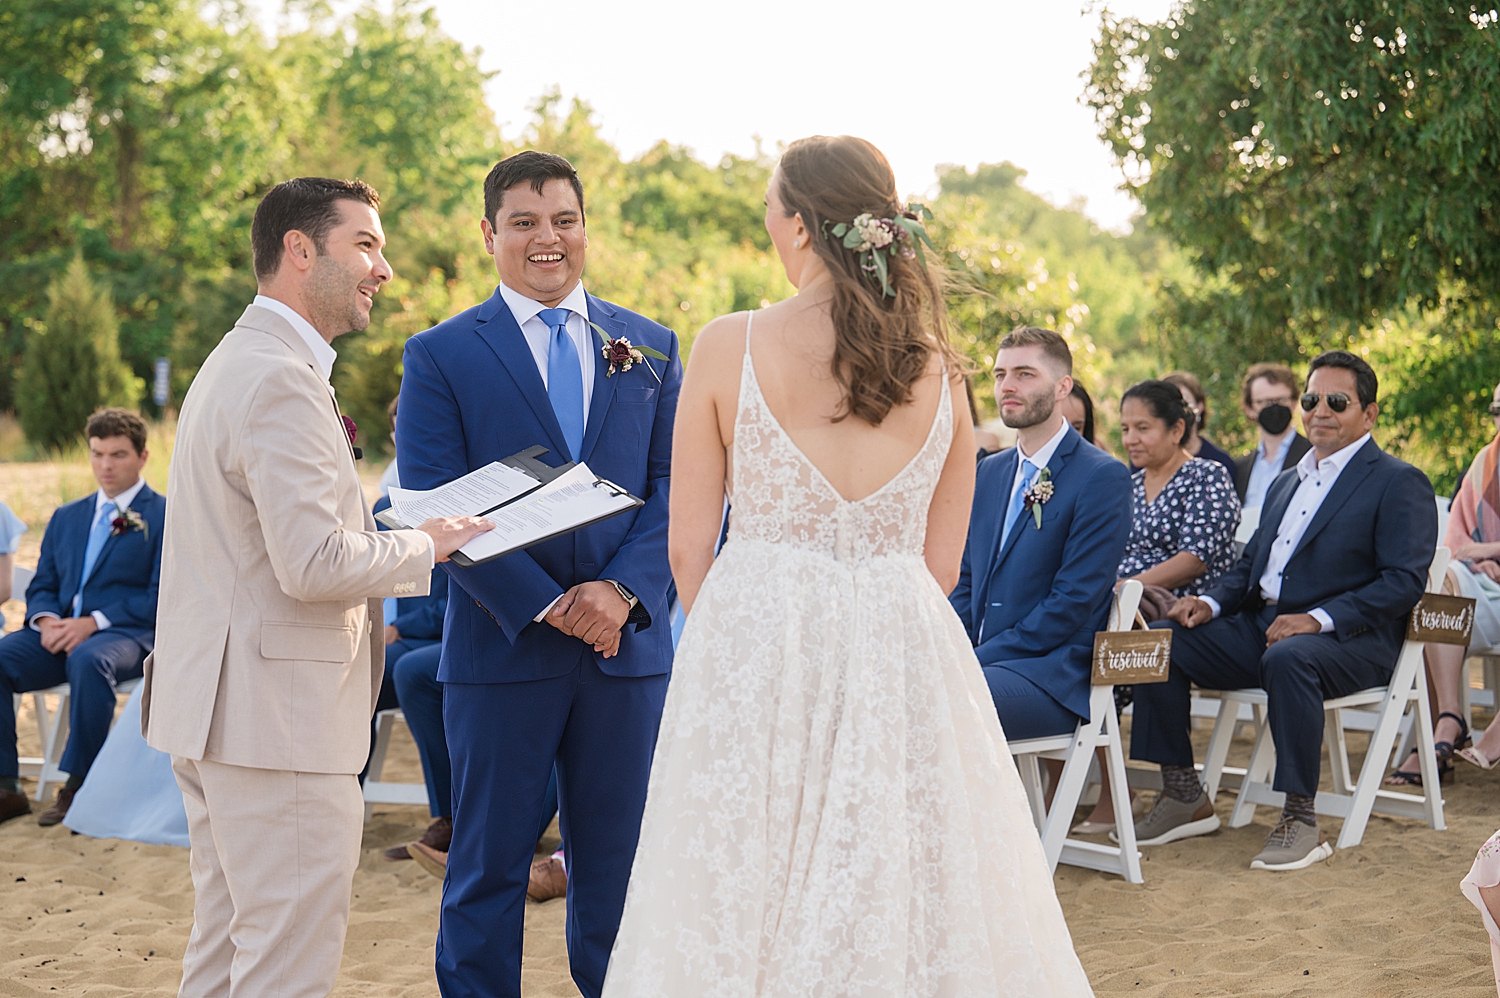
(1318, 478)
(1038, 460)
(539, 335)
(122, 502)
(1264, 469)
(322, 351)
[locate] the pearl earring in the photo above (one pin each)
(797, 243)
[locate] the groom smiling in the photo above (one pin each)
(550, 655)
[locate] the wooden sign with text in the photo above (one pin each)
(1129, 657)
(1441, 620)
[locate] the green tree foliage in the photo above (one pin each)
(73, 364)
(1333, 172)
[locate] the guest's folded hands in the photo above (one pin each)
(1190, 612)
(1489, 568)
(60, 637)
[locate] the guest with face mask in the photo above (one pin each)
(1266, 395)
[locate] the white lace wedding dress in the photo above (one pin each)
(832, 808)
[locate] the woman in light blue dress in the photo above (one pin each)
(11, 529)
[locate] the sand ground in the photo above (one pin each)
(102, 917)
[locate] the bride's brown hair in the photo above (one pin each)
(882, 343)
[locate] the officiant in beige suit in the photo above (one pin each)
(265, 672)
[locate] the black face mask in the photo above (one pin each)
(1274, 419)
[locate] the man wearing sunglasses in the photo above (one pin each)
(1316, 608)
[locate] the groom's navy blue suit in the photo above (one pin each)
(520, 694)
(1032, 607)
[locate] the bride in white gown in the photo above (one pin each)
(832, 808)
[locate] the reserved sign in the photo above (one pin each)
(1128, 657)
(1441, 620)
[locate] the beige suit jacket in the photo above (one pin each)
(269, 649)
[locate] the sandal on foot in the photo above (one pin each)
(1478, 758)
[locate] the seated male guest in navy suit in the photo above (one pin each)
(90, 610)
(1033, 590)
(1316, 608)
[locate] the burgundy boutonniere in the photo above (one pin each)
(352, 428)
(622, 355)
(127, 522)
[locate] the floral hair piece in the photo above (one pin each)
(875, 238)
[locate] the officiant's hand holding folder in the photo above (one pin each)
(527, 501)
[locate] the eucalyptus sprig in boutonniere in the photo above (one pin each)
(622, 355)
(1037, 494)
(129, 521)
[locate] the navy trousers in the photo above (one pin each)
(503, 740)
(1297, 673)
(92, 670)
(1026, 710)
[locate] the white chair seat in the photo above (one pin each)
(378, 791)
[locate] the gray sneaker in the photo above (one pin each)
(1292, 845)
(1171, 820)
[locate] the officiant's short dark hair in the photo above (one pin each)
(306, 204)
(529, 167)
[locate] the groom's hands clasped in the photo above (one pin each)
(592, 612)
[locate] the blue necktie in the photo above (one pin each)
(98, 534)
(564, 379)
(1017, 501)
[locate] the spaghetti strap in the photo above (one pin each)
(749, 321)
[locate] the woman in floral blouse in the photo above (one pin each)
(1183, 516)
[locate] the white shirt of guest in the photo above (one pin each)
(539, 335)
(322, 351)
(1318, 478)
(122, 502)
(1038, 460)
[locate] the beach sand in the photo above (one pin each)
(105, 917)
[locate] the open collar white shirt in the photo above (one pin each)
(539, 335)
(1038, 460)
(322, 351)
(1317, 480)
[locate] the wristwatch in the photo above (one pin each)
(625, 594)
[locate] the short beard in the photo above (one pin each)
(331, 299)
(1038, 409)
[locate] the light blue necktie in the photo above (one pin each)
(565, 379)
(1017, 501)
(98, 534)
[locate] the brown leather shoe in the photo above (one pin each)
(548, 880)
(59, 809)
(13, 805)
(439, 836)
(432, 860)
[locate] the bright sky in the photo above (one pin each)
(946, 81)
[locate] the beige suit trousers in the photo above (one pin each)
(273, 860)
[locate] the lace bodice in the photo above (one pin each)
(780, 497)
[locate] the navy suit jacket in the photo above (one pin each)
(125, 579)
(1364, 557)
(419, 618)
(1035, 605)
(471, 394)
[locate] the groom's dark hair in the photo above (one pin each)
(529, 167)
(306, 204)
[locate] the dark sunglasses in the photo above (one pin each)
(1337, 401)
(1493, 409)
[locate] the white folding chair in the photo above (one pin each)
(1350, 799)
(1201, 708)
(376, 790)
(1101, 730)
(53, 727)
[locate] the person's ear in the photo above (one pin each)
(488, 231)
(299, 249)
(800, 237)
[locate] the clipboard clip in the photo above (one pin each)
(526, 462)
(610, 487)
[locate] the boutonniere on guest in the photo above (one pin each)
(1037, 494)
(127, 522)
(622, 355)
